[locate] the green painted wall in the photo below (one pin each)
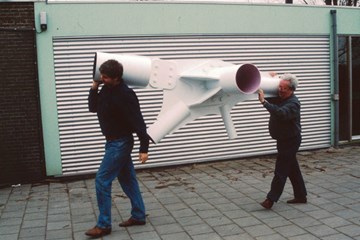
(92, 19)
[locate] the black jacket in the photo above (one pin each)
(285, 117)
(119, 114)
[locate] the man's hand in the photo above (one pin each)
(272, 74)
(261, 96)
(143, 157)
(95, 85)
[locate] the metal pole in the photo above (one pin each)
(335, 63)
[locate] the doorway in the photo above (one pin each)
(349, 88)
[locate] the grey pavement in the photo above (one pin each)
(208, 201)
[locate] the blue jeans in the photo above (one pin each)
(117, 163)
(287, 166)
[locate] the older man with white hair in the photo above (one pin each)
(285, 128)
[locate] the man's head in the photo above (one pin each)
(111, 72)
(287, 86)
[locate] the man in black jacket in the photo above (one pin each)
(119, 115)
(285, 128)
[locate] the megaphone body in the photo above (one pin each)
(191, 88)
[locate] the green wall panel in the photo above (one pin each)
(155, 18)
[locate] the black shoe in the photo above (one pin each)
(297, 200)
(267, 204)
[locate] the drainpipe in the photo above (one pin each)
(335, 96)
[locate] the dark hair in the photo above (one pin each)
(112, 68)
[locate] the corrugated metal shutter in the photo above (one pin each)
(204, 139)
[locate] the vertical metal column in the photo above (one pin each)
(336, 78)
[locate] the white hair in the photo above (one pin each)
(291, 78)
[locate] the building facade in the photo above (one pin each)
(307, 41)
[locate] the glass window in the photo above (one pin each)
(355, 68)
(344, 90)
(349, 88)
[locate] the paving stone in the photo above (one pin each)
(116, 235)
(176, 206)
(89, 217)
(58, 225)
(198, 229)
(332, 207)
(32, 238)
(335, 222)
(59, 217)
(34, 223)
(10, 221)
(139, 229)
(306, 222)
(13, 214)
(158, 212)
(209, 213)
(195, 200)
(189, 221)
(32, 232)
(169, 229)
(350, 230)
(218, 221)
(58, 210)
(337, 237)
(236, 213)
(258, 230)
(4, 236)
(276, 221)
(74, 211)
(289, 231)
(347, 213)
(292, 213)
(83, 226)
(37, 209)
(207, 236)
(202, 206)
(177, 236)
(153, 206)
(264, 214)
(226, 207)
(228, 230)
(161, 220)
(304, 237)
(272, 237)
(60, 234)
(145, 235)
(321, 230)
(247, 221)
(35, 216)
(242, 236)
(9, 230)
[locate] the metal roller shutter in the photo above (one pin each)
(204, 139)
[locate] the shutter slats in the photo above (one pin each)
(204, 139)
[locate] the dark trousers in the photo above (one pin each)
(287, 166)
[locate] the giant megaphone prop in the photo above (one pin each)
(192, 88)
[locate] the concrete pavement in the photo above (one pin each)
(210, 201)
